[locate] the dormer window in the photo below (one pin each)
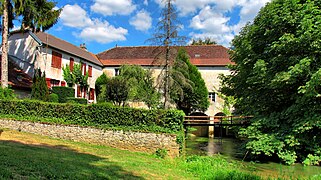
(197, 55)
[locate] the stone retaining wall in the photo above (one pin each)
(133, 141)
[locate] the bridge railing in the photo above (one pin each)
(217, 119)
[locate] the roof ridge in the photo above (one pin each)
(62, 40)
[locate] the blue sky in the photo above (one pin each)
(103, 24)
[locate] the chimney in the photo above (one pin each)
(83, 46)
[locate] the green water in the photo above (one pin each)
(230, 148)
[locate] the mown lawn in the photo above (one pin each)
(29, 156)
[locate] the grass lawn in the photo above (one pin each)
(29, 156)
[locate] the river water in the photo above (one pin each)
(230, 148)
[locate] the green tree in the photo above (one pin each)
(277, 79)
(35, 13)
(68, 76)
(166, 36)
(115, 91)
(141, 86)
(100, 81)
(188, 90)
(39, 89)
(80, 79)
(206, 41)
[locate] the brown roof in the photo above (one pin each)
(16, 77)
(209, 55)
(67, 47)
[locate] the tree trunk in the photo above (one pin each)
(167, 55)
(4, 59)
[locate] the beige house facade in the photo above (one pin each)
(211, 61)
(29, 51)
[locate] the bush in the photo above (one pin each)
(76, 100)
(39, 89)
(98, 115)
(53, 98)
(6, 93)
(63, 93)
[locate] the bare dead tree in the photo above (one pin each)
(165, 38)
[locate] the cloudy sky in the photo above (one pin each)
(103, 24)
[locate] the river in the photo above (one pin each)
(229, 147)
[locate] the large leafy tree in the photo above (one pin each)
(188, 90)
(141, 85)
(35, 14)
(277, 79)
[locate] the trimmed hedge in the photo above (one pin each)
(53, 98)
(98, 115)
(63, 92)
(76, 100)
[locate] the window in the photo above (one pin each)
(78, 91)
(54, 82)
(56, 60)
(71, 64)
(90, 71)
(117, 71)
(211, 96)
(92, 94)
(83, 68)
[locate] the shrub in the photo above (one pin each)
(53, 97)
(76, 100)
(6, 93)
(161, 153)
(63, 93)
(39, 89)
(98, 115)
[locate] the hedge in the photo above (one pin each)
(53, 97)
(99, 115)
(63, 93)
(76, 100)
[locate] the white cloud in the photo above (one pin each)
(146, 2)
(91, 29)
(142, 21)
(113, 7)
(103, 32)
(75, 16)
(209, 21)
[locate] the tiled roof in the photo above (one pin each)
(67, 47)
(207, 55)
(16, 77)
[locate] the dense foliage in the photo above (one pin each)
(188, 90)
(100, 81)
(98, 115)
(76, 100)
(277, 79)
(115, 91)
(7, 94)
(63, 93)
(39, 89)
(68, 76)
(53, 98)
(205, 41)
(141, 85)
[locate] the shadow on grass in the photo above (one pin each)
(21, 161)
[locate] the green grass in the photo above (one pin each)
(28, 156)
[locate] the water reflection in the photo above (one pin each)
(230, 148)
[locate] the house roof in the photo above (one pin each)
(17, 78)
(206, 55)
(65, 46)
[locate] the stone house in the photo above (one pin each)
(31, 51)
(211, 60)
